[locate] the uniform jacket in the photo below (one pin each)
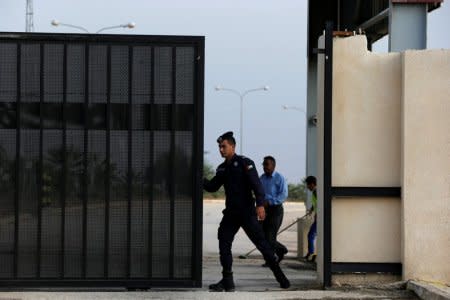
(240, 178)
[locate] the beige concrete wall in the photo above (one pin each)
(366, 115)
(426, 165)
(366, 230)
(391, 127)
(366, 151)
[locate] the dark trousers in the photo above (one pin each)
(271, 225)
(228, 228)
(312, 236)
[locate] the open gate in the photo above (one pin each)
(333, 193)
(101, 152)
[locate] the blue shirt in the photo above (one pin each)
(275, 187)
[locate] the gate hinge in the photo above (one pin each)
(318, 50)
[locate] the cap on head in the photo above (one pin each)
(311, 180)
(228, 136)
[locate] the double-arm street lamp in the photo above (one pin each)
(241, 96)
(129, 25)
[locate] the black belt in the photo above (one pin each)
(275, 206)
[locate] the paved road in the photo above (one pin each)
(249, 274)
(252, 280)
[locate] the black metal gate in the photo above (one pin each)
(101, 140)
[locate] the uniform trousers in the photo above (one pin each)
(312, 233)
(228, 228)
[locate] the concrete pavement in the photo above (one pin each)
(212, 214)
(252, 280)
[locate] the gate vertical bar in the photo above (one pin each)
(197, 156)
(64, 172)
(172, 164)
(327, 190)
(17, 166)
(150, 179)
(85, 151)
(130, 156)
(108, 159)
(41, 158)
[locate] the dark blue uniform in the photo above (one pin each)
(240, 178)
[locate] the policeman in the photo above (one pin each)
(239, 176)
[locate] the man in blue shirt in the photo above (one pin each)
(276, 191)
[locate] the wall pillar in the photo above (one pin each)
(311, 128)
(426, 165)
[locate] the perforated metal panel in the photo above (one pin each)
(101, 143)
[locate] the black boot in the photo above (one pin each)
(280, 277)
(226, 284)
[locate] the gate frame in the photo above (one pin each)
(330, 191)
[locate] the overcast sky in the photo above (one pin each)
(249, 44)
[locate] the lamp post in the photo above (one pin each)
(241, 97)
(286, 107)
(129, 25)
(312, 120)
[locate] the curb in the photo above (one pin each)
(428, 291)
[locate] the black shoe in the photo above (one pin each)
(265, 265)
(313, 258)
(306, 257)
(280, 277)
(226, 284)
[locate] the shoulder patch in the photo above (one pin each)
(248, 163)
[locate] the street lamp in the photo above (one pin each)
(286, 107)
(129, 25)
(312, 120)
(241, 96)
(57, 23)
